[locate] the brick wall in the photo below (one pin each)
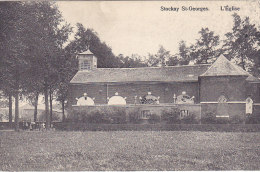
(164, 90)
(233, 87)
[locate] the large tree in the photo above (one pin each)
(131, 62)
(14, 61)
(88, 38)
(206, 49)
(160, 58)
(49, 33)
(241, 43)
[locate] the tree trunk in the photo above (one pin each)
(50, 92)
(63, 111)
(16, 111)
(47, 116)
(36, 107)
(10, 110)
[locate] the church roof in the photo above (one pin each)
(223, 67)
(252, 79)
(187, 73)
(87, 52)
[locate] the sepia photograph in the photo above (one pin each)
(130, 85)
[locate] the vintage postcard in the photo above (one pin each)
(129, 85)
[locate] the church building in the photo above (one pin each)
(201, 86)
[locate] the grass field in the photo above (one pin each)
(129, 150)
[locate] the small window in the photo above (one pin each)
(145, 114)
(85, 65)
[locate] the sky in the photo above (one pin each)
(139, 27)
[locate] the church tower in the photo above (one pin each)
(87, 61)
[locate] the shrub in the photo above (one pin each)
(117, 115)
(221, 120)
(154, 119)
(208, 118)
(253, 119)
(134, 115)
(171, 116)
(237, 119)
(190, 119)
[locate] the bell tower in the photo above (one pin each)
(87, 61)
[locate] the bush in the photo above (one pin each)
(171, 116)
(154, 119)
(208, 118)
(106, 115)
(253, 119)
(134, 116)
(237, 119)
(117, 115)
(190, 119)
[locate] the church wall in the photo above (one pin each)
(253, 89)
(164, 90)
(233, 88)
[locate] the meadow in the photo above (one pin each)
(129, 150)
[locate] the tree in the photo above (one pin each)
(205, 50)
(85, 38)
(47, 32)
(160, 58)
(184, 54)
(13, 49)
(241, 43)
(131, 62)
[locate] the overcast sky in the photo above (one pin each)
(133, 27)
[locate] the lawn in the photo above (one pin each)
(129, 150)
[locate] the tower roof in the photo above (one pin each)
(88, 52)
(223, 67)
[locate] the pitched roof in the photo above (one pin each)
(86, 52)
(253, 79)
(161, 74)
(223, 67)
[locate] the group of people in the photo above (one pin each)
(33, 125)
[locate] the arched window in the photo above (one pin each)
(116, 100)
(85, 101)
(184, 99)
(149, 99)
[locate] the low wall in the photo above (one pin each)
(185, 109)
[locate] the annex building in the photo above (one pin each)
(192, 88)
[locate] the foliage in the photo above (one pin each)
(134, 115)
(205, 50)
(131, 62)
(154, 118)
(253, 119)
(85, 38)
(55, 116)
(160, 58)
(237, 119)
(240, 44)
(171, 116)
(109, 115)
(190, 119)
(210, 118)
